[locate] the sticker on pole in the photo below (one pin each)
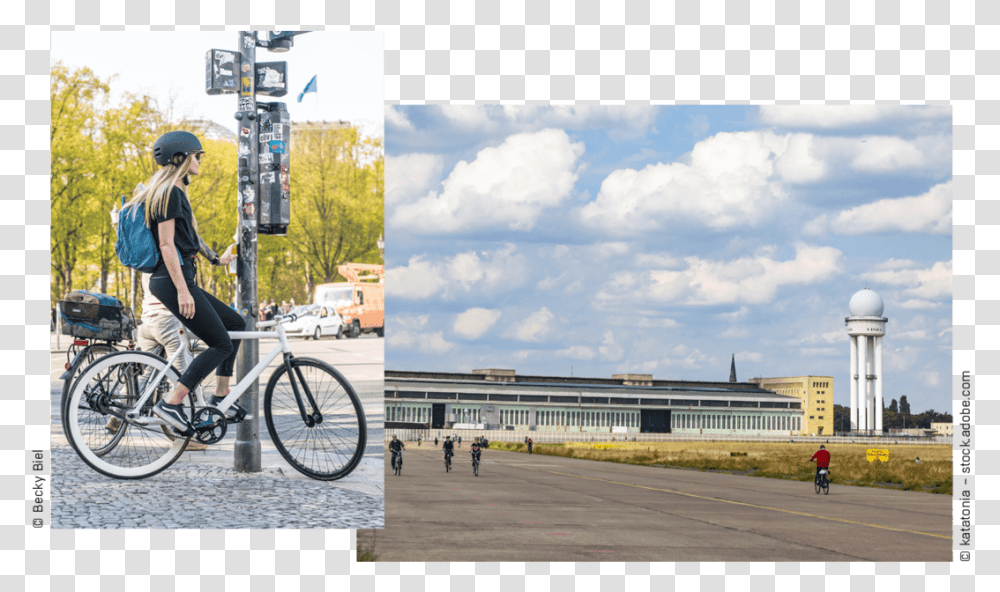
(247, 86)
(246, 104)
(879, 454)
(276, 146)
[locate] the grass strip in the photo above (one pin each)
(849, 464)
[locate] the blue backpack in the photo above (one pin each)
(136, 248)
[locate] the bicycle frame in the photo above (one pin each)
(282, 347)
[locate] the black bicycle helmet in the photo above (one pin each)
(171, 144)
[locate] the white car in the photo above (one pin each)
(315, 320)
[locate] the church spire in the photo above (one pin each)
(732, 370)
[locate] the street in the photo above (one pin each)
(202, 490)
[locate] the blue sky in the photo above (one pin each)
(596, 240)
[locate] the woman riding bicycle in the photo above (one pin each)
(170, 218)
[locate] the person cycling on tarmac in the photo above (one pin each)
(449, 447)
(396, 448)
(476, 451)
(822, 458)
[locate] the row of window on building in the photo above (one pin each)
(414, 414)
(696, 421)
(559, 417)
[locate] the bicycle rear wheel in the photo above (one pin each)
(333, 446)
(99, 430)
(90, 354)
(826, 485)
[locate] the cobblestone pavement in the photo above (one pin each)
(202, 490)
(202, 495)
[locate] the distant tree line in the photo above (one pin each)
(896, 416)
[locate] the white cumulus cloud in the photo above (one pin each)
(410, 176)
(929, 212)
(752, 280)
(611, 350)
(508, 186)
(934, 283)
(834, 116)
(495, 271)
(577, 352)
(475, 322)
(537, 327)
(412, 333)
(732, 175)
(395, 118)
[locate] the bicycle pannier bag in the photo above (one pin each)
(90, 315)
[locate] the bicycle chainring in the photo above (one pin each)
(210, 425)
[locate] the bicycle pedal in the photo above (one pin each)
(184, 434)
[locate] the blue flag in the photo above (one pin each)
(311, 87)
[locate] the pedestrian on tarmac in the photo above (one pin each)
(435, 442)
(171, 219)
(529, 445)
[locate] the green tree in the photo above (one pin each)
(894, 407)
(338, 203)
(841, 419)
(101, 152)
(75, 123)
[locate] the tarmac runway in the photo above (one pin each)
(541, 508)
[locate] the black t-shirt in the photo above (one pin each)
(395, 445)
(179, 210)
(449, 445)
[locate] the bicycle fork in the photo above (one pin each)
(310, 419)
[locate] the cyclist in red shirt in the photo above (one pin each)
(822, 458)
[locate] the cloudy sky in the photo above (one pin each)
(593, 240)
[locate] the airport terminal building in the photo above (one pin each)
(624, 404)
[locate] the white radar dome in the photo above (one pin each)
(866, 303)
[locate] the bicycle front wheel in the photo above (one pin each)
(99, 428)
(332, 446)
(819, 486)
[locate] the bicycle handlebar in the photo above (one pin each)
(278, 320)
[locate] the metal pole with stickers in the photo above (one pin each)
(263, 191)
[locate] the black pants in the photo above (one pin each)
(212, 319)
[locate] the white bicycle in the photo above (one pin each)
(313, 414)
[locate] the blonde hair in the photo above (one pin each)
(156, 193)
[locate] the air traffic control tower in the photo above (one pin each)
(866, 328)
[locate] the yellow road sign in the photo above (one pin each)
(880, 454)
